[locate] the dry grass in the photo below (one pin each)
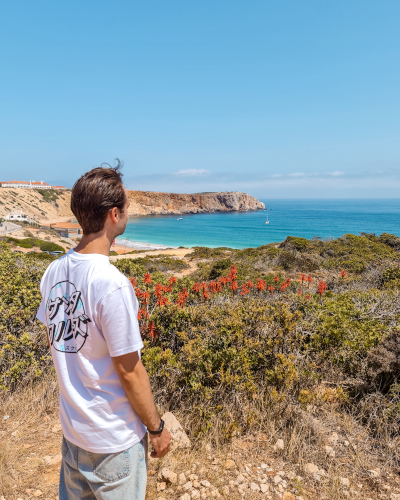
(26, 437)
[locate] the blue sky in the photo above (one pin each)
(281, 99)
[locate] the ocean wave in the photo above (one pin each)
(137, 245)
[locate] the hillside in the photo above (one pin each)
(281, 362)
(43, 205)
(50, 205)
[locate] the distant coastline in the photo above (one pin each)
(303, 218)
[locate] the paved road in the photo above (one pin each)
(8, 227)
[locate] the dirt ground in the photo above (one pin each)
(249, 467)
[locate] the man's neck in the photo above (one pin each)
(95, 243)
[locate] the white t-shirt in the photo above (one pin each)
(90, 311)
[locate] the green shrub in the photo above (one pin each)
(273, 252)
(23, 345)
(220, 268)
(48, 246)
(299, 244)
(36, 242)
(391, 274)
(25, 243)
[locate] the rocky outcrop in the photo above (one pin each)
(153, 203)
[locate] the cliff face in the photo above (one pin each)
(152, 203)
(57, 206)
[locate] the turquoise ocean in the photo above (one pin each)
(305, 218)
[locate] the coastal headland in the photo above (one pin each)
(154, 203)
(54, 206)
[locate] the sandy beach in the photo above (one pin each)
(177, 252)
(128, 246)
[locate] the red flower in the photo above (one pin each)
(142, 314)
(271, 289)
(250, 284)
(276, 279)
(182, 297)
(162, 301)
(146, 297)
(261, 285)
(343, 273)
(321, 288)
(307, 297)
(303, 278)
(147, 279)
(152, 330)
(244, 290)
(196, 287)
(299, 291)
(133, 282)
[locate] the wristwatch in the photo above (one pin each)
(159, 430)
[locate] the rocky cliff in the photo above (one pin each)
(152, 203)
(55, 206)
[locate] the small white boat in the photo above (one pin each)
(267, 210)
(180, 218)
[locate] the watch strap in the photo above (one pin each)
(159, 430)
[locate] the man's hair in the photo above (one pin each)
(95, 194)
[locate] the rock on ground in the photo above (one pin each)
(168, 476)
(179, 436)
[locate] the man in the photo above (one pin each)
(90, 311)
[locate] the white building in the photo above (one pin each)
(25, 185)
(15, 215)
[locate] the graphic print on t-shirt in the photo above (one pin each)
(67, 322)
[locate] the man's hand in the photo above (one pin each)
(160, 443)
(135, 381)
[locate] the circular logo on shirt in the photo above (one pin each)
(67, 322)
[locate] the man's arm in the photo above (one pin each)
(136, 383)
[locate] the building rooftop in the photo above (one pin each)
(15, 182)
(65, 225)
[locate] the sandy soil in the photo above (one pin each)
(178, 252)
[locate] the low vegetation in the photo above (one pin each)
(45, 246)
(49, 195)
(303, 327)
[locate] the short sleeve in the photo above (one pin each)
(40, 315)
(118, 321)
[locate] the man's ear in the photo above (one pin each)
(114, 215)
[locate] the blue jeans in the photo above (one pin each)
(103, 476)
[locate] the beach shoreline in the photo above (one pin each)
(125, 245)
